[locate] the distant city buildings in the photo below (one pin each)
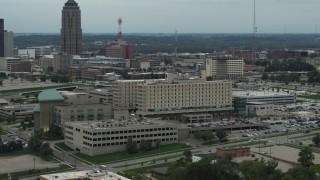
(119, 49)
(71, 32)
(224, 68)
(8, 44)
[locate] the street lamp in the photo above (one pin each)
(34, 163)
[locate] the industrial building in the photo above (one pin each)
(107, 136)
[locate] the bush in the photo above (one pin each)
(253, 155)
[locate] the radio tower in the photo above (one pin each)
(254, 32)
(176, 44)
(120, 29)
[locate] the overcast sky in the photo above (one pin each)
(163, 16)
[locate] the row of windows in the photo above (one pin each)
(123, 143)
(133, 136)
(128, 131)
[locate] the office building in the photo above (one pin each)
(101, 137)
(58, 107)
(243, 101)
(62, 62)
(27, 53)
(174, 96)
(2, 38)
(18, 112)
(6, 62)
(8, 44)
(71, 32)
(220, 68)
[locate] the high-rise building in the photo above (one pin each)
(8, 44)
(1, 38)
(71, 32)
(224, 68)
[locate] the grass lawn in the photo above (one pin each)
(302, 136)
(249, 143)
(36, 172)
(118, 156)
(313, 97)
(63, 146)
(17, 153)
(3, 132)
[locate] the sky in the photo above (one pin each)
(164, 16)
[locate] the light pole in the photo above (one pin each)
(34, 163)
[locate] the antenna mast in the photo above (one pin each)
(254, 32)
(176, 44)
(120, 29)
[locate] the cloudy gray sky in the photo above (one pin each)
(163, 16)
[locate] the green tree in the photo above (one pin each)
(11, 119)
(306, 157)
(158, 143)
(45, 151)
(43, 78)
(145, 145)
(187, 155)
(316, 139)
(131, 146)
(221, 134)
(35, 143)
(205, 135)
(265, 76)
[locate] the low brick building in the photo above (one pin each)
(236, 152)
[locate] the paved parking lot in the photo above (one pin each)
(22, 163)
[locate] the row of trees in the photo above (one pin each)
(286, 78)
(209, 135)
(10, 146)
(284, 65)
(145, 145)
(225, 168)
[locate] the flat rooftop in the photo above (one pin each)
(93, 174)
(111, 124)
(240, 93)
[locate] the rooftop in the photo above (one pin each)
(111, 124)
(93, 174)
(50, 95)
(237, 93)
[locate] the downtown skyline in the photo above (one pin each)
(187, 16)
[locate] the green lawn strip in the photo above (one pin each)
(120, 156)
(313, 149)
(63, 146)
(313, 97)
(302, 136)
(159, 159)
(37, 172)
(249, 143)
(146, 169)
(16, 153)
(58, 148)
(3, 132)
(82, 160)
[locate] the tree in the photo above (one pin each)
(205, 135)
(221, 134)
(306, 157)
(11, 119)
(187, 155)
(265, 76)
(50, 69)
(316, 139)
(45, 151)
(145, 145)
(209, 78)
(131, 146)
(43, 78)
(158, 143)
(35, 143)
(54, 132)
